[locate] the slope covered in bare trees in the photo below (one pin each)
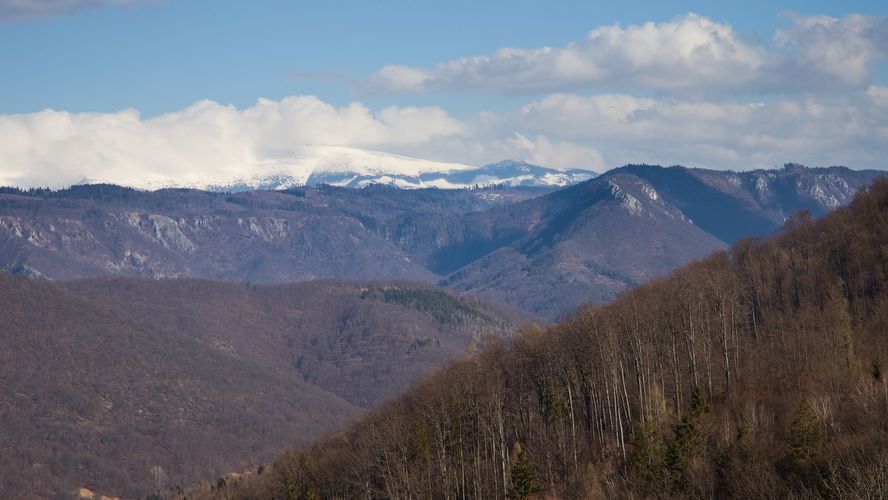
(126, 386)
(757, 372)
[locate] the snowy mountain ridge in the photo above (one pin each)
(356, 168)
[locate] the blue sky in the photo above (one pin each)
(160, 57)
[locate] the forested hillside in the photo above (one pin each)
(127, 386)
(758, 372)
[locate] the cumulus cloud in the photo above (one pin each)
(688, 55)
(25, 9)
(840, 48)
(57, 148)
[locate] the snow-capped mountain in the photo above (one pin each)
(351, 167)
(510, 172)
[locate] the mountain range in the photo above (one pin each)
(176, 316)
(544, 250)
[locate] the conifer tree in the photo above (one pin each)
(524, 477)
(805, 433)
(648, 459)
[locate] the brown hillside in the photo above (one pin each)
(106, 382)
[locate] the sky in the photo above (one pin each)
(195, 85)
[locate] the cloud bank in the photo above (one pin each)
(57, 148)
(850, 130)
(690, 55)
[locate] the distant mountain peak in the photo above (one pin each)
(513, 173)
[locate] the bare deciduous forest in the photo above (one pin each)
(128, 386)
(758, 372)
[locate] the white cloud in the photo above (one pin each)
(24, 9)
(399, 78)
(502, 139)
(57, 148)
(559, 154)
(817, 131)
(690, 55)
(878, 95)
(208, 140)
(840, 48)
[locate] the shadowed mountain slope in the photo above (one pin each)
(592, 241)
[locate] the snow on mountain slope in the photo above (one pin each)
(351, 167)
(512, 173)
